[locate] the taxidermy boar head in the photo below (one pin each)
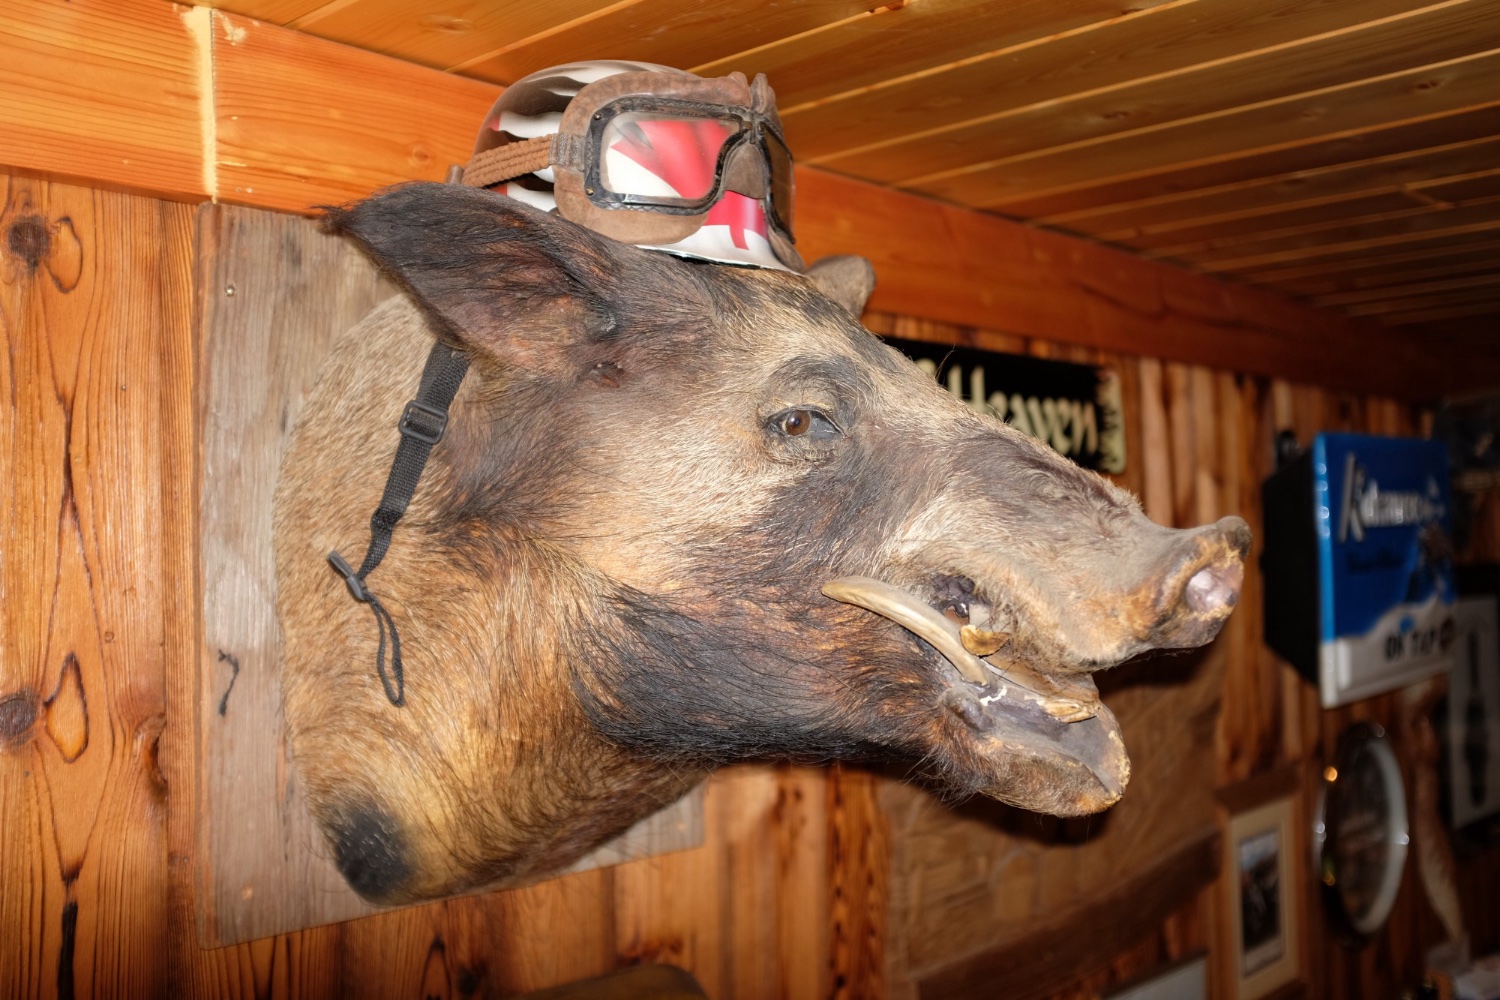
(684, 514)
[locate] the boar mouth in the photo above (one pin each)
(1055, 722)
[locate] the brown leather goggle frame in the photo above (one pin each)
(570, 153)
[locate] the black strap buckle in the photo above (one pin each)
(429, 431)
(351, 578)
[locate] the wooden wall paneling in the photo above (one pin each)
(1167, 62)
(859, 860)
(1461, 84)
(302, 122)
(101, 89)
(95, 311)
(274, 294)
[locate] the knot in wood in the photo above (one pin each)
(30, 239)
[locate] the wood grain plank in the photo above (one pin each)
(1364, 215)
(101, 89)
(1375, 140)
(1464, 84)
(1440, 249)
(1171, 64)
(441, 33)
(1407, 170)
(1380, 274)
(304, 122)
(1488, 277)
(271, 11)
(1252, 226)
(1479, 217)
(899, 40)
(94, 303)
(670, 32)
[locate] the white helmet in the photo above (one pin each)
(648, 155)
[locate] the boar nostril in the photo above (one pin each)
(1214, 588)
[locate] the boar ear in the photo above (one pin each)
(846, 280)
(499, 276)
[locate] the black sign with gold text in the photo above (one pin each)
(1074, 408)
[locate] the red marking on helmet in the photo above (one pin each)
(739, 213)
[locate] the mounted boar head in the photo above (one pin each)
(684, 514)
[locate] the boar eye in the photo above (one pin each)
(803, 422)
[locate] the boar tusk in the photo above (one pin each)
(911, 614)
(981, 641)
(947, 638)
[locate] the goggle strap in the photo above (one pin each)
(507, 162)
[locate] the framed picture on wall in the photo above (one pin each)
(1261, 876)
(1473, 749)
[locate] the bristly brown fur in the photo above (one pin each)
(609, 580)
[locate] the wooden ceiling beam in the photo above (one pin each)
(1376, 276)
(294, 122)
(102, 89)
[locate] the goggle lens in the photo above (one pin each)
(779, 159)
(655, 156)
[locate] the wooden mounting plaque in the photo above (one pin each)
(273, 294)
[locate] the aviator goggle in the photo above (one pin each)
(650, 158)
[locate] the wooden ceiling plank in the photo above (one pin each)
(922, 123)
(1376, 272)
(102, 88)
(1489, 278)
(1443, 312)
(442, 33)
(1169, 181)
(906, 39)
(1467, 84)
(1311, 218)
(1335, 216)
(270, 11)
(1340, 263)
(1301, 189)
(672, 32)
(1480, 293)
(1435, 225)
(1139, 104)
(302, 121)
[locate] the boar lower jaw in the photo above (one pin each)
(1059, 754)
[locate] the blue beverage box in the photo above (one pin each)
(1358, 565)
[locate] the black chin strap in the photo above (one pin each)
(422, 425)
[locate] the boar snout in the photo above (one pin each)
(1202, 585)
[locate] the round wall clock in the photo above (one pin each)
(1360, 833)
